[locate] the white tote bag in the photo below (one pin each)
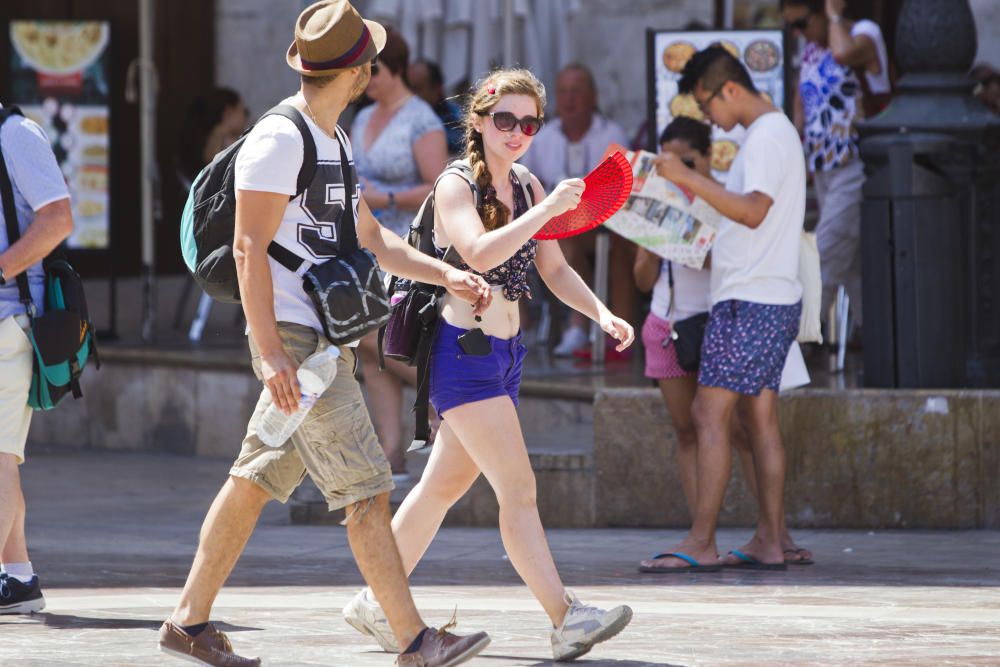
(812, 290)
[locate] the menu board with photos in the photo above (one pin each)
(762, 52)
(59, 76)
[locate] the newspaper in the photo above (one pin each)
(662, 217)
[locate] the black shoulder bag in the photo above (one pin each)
(687, 334)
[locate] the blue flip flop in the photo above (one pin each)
(751, 563)
(693, 565)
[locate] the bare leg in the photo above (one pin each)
(12, 510)
(742, 446)
(712, 412)
(491, 434)
(769, 460)
(224, 534)
(385, 399)
(678, 394)
(448, 475)
(370, 535)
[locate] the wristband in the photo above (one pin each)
(3, 279)
(392, 199)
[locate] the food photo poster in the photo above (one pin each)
(763, 52)
(59, 76)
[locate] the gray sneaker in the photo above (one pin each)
(584, 626)
(365, 615)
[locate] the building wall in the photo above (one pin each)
(253, 35)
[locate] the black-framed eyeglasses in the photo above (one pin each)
(799, 24)
(505, 121)
(703, 104)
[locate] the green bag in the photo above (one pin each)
(63, 337)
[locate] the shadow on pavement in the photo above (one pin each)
(74, 622)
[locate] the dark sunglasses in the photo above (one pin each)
(800, 24)
(505, 121)
(375, 68)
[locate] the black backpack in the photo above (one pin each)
(409, 333)
(209, 218)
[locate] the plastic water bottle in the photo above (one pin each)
(315, 374)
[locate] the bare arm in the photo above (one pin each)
(431, 153)
(646, 269)
(570, 288)
(398, 258)
(483, 250)
(847, 49)
(798, 112)
(748, 209)
(52, 224)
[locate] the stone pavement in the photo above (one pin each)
(112, 536)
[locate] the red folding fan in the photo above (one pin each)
(608, 186)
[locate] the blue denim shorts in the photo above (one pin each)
(457, 378)
(746, 345)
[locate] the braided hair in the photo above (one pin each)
(485, 96)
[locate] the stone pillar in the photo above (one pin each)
(931, 217)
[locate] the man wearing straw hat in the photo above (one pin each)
(333, 51)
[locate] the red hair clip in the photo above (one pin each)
(491, 90)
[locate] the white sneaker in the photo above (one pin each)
(572, 340)
(365, 615)
(583, 627)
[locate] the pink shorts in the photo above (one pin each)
(661, 362)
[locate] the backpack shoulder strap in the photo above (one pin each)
(462, 168)
(524, 178)
(308, 169)
(10, 212)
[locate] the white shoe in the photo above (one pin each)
(365, 615)
(583, 627)
(572, 340)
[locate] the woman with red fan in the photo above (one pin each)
(475, 369)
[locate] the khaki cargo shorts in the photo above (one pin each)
(336, 444)
(16, 357)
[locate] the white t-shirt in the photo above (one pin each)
(878, 83)
(269, 161)
(553, 158)
(761, 265)
(691, 290)
(37, 181)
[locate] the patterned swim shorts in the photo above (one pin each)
(746, 345)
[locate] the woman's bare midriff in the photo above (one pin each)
(502, 319)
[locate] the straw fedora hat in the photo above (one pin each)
(331, 36)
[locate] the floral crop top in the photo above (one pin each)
(513, 273)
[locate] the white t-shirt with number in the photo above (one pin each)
(269, 161)
(761, 265)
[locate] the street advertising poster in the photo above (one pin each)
(763, 52)
(663, 217)
(59, 75)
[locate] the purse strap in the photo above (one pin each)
(670, 282)
(10, 214)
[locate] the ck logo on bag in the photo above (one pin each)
(323, 202)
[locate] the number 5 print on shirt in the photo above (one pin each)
(323, 203)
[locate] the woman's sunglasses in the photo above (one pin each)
(505, 121)
(375, 68)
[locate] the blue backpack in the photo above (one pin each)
(208, 221)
